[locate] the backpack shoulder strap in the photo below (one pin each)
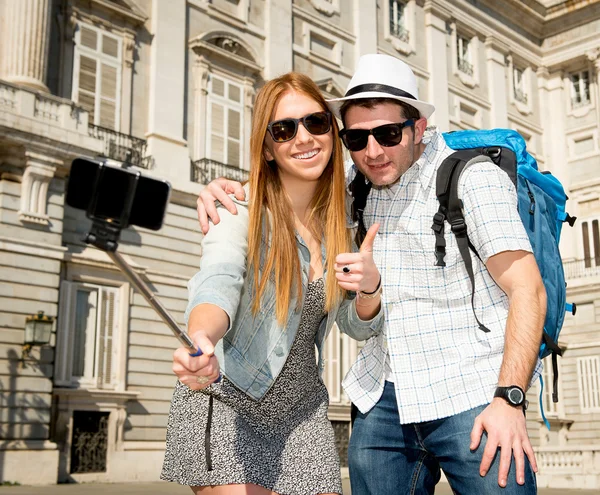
(451, 209)
(451, 166)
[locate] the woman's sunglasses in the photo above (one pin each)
(386, 135)
(285, 129)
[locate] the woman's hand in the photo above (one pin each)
(197, 372)
(357, 271)
(217, 190)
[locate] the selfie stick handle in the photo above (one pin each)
(141, 286)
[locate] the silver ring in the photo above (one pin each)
(202, 380)
(346, 269)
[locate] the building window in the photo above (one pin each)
(580, 89)
(88, 346)
(333, 365)
(225, 110)
(519, 85)
(591, 242)
(588, 372)
(397, 20)
(97, 75)
(463, 51)
(550, 407)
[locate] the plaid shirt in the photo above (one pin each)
(441, 362)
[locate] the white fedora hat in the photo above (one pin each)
(382, 76)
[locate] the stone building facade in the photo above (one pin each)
(168, 86)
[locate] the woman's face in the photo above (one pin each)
(305, 156)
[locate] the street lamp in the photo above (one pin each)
(38, 329)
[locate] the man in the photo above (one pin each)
(432, 391)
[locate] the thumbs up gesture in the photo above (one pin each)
(357, 271)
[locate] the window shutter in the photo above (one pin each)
(110, 46)
(550, 407)
(87, 84)
(233, 138)
(96, 82)
(106, 334)
(108, 96)
(89, 38)
(217, 145)
(84, 336)
(588, 369)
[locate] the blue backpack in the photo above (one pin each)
(541, 205)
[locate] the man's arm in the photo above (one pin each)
(217, 190)
(517, 274)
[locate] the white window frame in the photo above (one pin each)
(583, 103)
(101, 58)
(458, 37)
(65, 338)
(588, 381)
(227, 104)
(403, 44)
(552, 409)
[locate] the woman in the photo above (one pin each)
(266, 293)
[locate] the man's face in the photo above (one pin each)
(383, 165)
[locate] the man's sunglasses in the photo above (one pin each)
(386, 135)
(285, 129)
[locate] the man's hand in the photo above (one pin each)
(217, 190)
(361, 273)
(506, 428)
(205, 367)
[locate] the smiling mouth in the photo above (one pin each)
(307, 155)
(377, 165)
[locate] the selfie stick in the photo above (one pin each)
(104, 236)
(141, 286)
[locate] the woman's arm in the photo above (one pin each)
(222, 269)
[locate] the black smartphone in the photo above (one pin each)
(118, 196)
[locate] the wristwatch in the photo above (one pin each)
(513, 395)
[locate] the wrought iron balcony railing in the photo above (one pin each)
(589, 267)
(122, 147)
(465, 66)
(206, 170)
(521, 96)
(400, 32)
(577, 102)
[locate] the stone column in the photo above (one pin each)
(24, 40)
(166, 100)
(365, 27)
(495, 53)
(279, 38)
(437, 63)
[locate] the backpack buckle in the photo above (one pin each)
(459, 227)
(439, 218)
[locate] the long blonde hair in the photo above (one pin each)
(326, 216)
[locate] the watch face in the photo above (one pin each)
(515, 396)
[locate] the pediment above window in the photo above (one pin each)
(127, 11)
(228, 47)
(330, 88)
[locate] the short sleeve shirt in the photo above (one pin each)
(441, 362)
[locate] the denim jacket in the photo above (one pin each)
(255, 347)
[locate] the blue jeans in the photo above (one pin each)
(386, 457)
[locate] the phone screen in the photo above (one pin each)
(113, 190)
